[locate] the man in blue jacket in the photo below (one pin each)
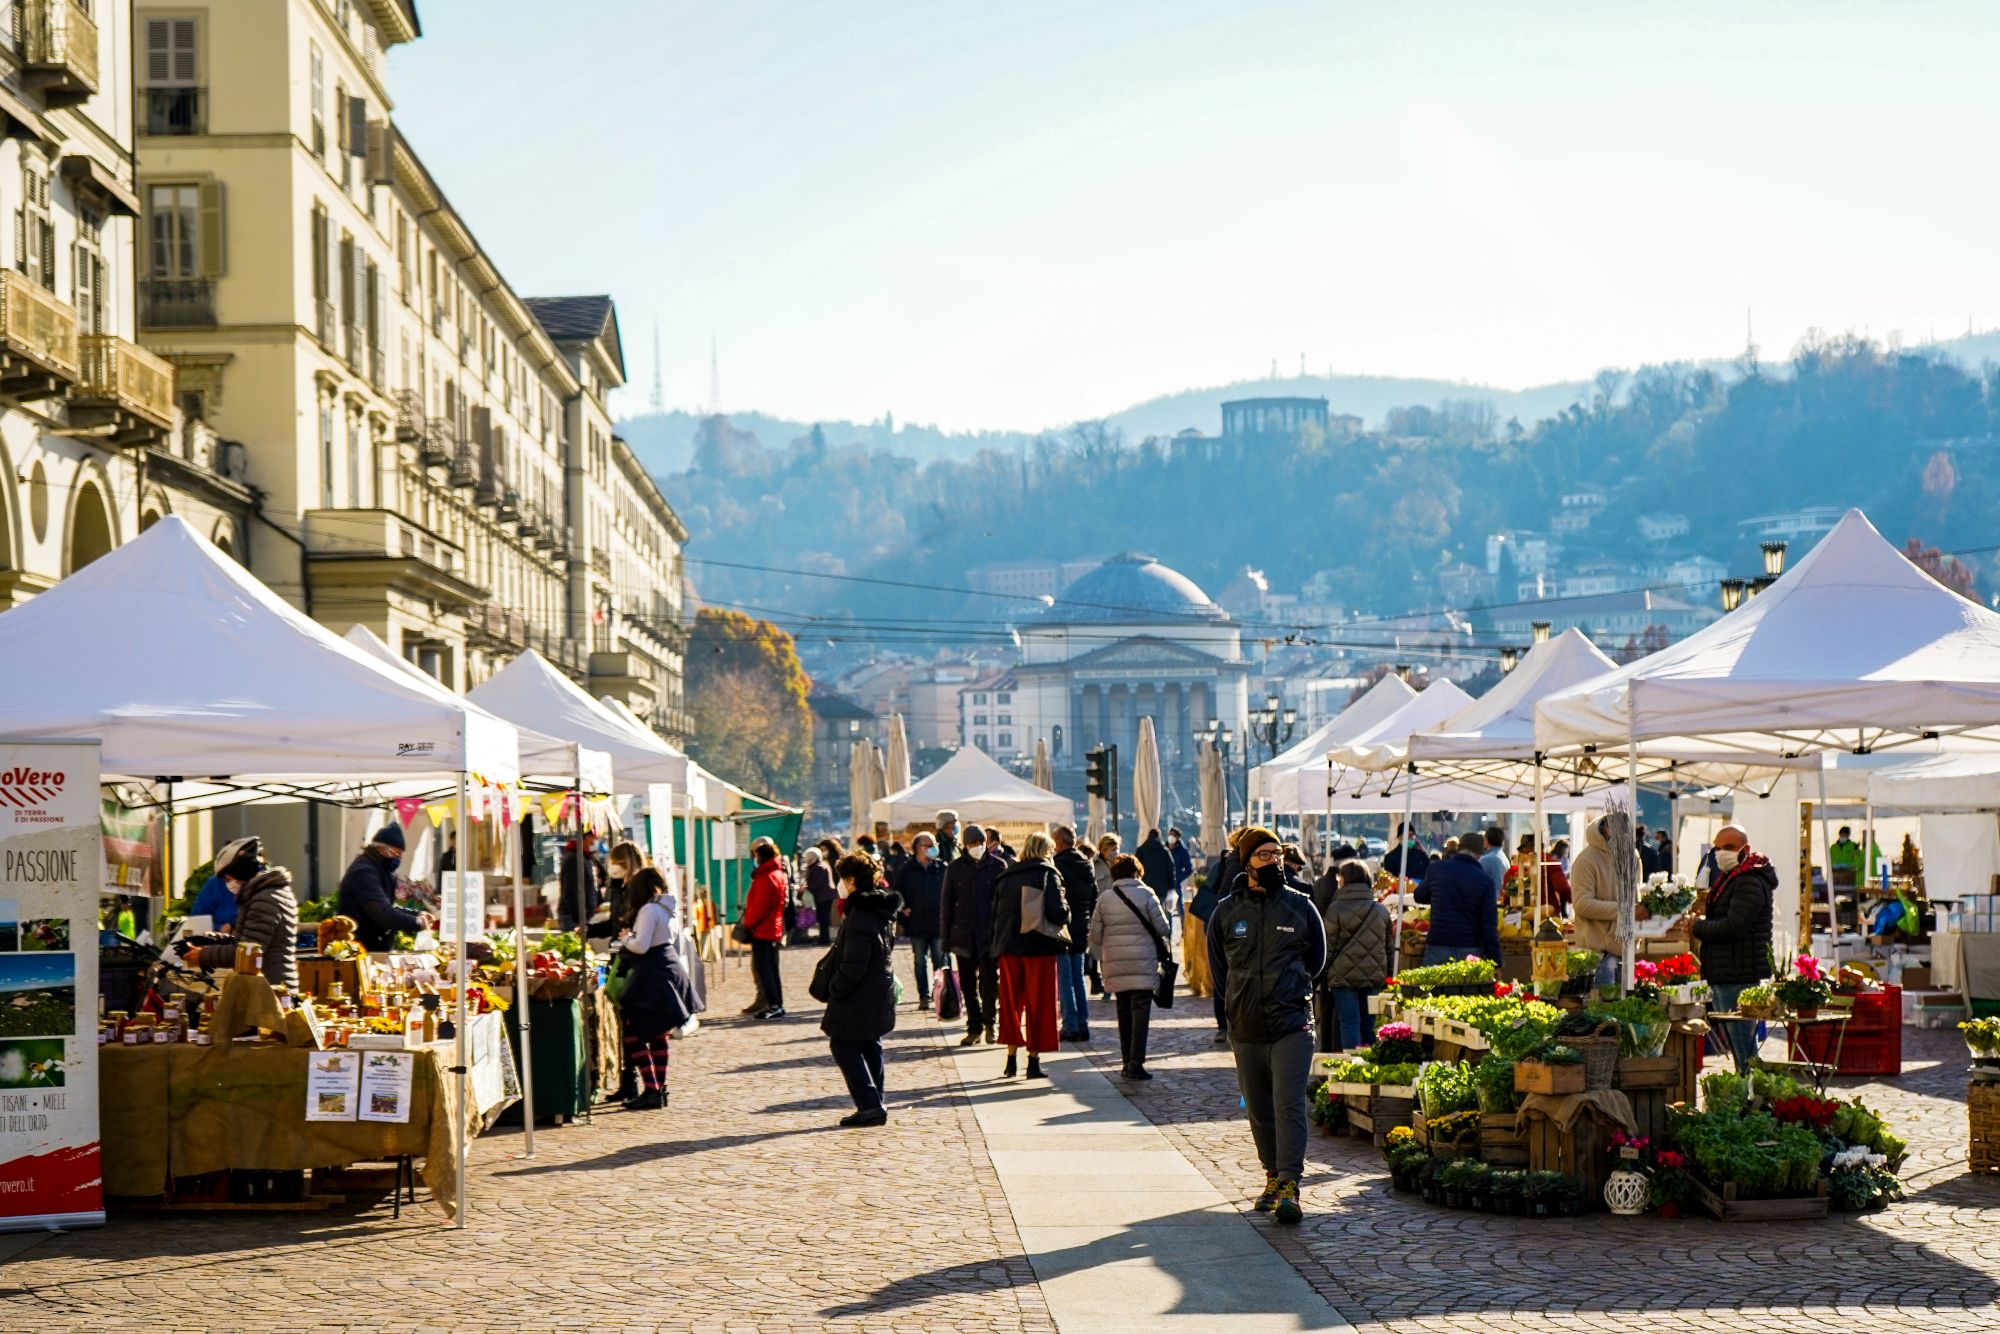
(1266, 944)
(1465, 907)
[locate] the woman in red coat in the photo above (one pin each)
(764, 915)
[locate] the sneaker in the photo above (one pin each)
(863, 1120)
(752, 1008)
(1269, 1199)
(969, 1040)
(775, 1012)
(1287, 1210)
(1221, 1038)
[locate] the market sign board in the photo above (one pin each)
(51, 872)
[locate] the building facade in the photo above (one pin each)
(986, 717)
(92, 445)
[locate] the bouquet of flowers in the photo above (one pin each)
(1666, 898)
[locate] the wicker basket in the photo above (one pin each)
(1982, 1153)
(1600, 1059)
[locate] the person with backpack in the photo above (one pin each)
(1128, 934)
(1030, 920)
(1266, 944)
(1080, 892)
(1358, 937)
(860, 989)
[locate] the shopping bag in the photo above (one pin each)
(944, 994)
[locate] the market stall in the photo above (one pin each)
(974, 784)
(1293, 781)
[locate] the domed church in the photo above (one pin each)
(1131, 639)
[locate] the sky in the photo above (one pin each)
(1022, 214)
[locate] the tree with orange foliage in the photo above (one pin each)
(747, 693)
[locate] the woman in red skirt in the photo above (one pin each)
(1030, 928)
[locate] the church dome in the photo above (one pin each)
(1131, 589)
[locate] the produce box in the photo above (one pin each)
(1540, 1077)
(1647, 1072)
(1729, 1209)
(1377, 1116)
(1502, 1141)
(1581, 1153)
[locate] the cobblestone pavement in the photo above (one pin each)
(740, 1207)
(743, 1208)
(1390, 1262)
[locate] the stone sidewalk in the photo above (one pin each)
(742, 1207)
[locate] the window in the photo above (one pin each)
(979, 699)
(1006, 697)
(171, 60)
(326, 452)
(1006, 719)
(87, 271)
(184, 225)
(34, 231)
(318, 83)
(355, 458)
(979, 720)
(1006, 738)
(343, 136)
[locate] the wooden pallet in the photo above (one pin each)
(1732, 1210)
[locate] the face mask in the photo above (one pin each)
(975, 850)
(1271, 877)
(1726, 858)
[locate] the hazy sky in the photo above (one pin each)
(1022, 212)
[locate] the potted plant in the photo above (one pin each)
(1406, 1159)
(1457, 1180)
(1805, 988)
(1757, 1002)
(1551, 1068)
(1582, 969)
(1504, 1185)
(1982, 1038)
(1395, 1044)
(1429, 1182)
(1669, 1185)
(1478, 1185)
(1568, 1198)
(1542, 1191)
(1627, 1189)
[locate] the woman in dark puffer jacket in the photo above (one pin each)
(861, 995)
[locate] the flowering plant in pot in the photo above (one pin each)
(1505, 1185)
(1406, 1158)
(1459, 1177)
(1757, 1002)
(1669, 1184)
(1544, 1192)
(1982, 1037)
(1805, 988)
(1395, 1044)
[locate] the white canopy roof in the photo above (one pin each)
(1854, 649)
(531, 692)
(1291, 777)
(181, 663)
(972, 783)
(1500, 725)
(542, 757)
(1385, 745)
(698, 789)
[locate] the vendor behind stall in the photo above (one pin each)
(368, 891)
(266, 914)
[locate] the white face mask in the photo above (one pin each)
(1726, 858)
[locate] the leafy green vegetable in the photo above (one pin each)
(1494, 1080)
(1444, 1087)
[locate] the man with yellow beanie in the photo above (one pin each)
(1266, 944)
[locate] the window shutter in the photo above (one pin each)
(214, 247)
(181, 43)
(21, 239)
(381, 168)
(357, 126)
(159, 52)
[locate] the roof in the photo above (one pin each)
(581, 319)
(826, 704)
(1132, 589)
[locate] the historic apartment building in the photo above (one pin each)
(431, 454)
(91, 446)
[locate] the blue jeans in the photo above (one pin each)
(1070, 993)
(1607, 970)
(929, 953)
(1350, 1005)
(1739, 1035)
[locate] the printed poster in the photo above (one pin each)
(51, 872)
(461, 892)
(333, 1085)
(386, 1080)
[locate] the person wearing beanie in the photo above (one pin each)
(217, 900)
(368, 892)
(965, 924)
(1266, 944)
(267, 915)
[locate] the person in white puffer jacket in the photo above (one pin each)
(1124, 929)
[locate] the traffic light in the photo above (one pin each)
(1097, 772)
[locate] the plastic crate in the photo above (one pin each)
(1877, 1011)
(1860, 1053)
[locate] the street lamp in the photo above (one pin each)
(1219, 737)
(1732, 594)
(1510, 658)
(1541, 629)
(1264, 724)
(1774, 559)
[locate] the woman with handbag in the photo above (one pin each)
(1128, 934)
(653, 994)
(1030, 928)
(859, 988)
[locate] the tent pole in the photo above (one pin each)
(1867, 858)
(1402, 869)
(1632, 823)
(458, 978)
(1326, 840)
(1832, 904)
(1541, 843)
(524, 1023)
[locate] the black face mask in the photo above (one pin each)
(1271, 877)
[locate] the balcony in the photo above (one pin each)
(500, 628)
(177, 303)
(59, 41)
(411, 428)
(358, 554)
(464, 458)
(530, 519)
(124, 387)
(38, 353)
(175, 110)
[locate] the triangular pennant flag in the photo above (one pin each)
(407, 808)
(552, 807)
(439, 811)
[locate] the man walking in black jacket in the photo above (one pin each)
(1266, 944)
(965, 923)
(1079, 883)
(920, 884)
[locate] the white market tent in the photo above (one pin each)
(530, 692)
(972, 783)
(236, 690)
(696, 790)
(1854, 649)
(1294, 781)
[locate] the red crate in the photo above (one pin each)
(1860, 1053)
(1877, 1012)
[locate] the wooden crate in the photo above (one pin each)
(1647, 1072)
(1462, 1148)
(317, 976)
(1412, 955)
(1537, 1077)
(1649, 1113)
(1517, 959)
(1732, 1210)
(1376, 1117)
(1581, 1153)
(1982, 1101)
(1686, 1046)
(1501, 1139)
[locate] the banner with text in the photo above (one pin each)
(52, 869)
